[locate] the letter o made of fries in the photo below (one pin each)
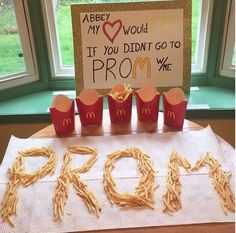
(143, 195)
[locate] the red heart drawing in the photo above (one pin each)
(111, 30)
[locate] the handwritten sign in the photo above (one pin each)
(133, 43)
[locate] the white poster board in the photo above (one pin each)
(132, 43)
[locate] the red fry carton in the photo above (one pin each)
(63, 114)
(174, 107)
(147, 102)
(90, 107)
(120, 110)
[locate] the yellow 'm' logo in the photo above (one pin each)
(66, 121)
(146, 111)
(120, 112)
(171, 114)
(90, 115)
(141, 63)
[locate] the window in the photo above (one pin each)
(227, 67)
(59, 36)
(17, 60)
(60, 42)
(51, 33)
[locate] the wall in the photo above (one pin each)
(223, 127)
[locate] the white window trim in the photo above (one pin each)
(31, 74)
(226, 67)
(203, 40)
(58, 71)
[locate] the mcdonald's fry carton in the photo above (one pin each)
(174, 107)
(90, 107)
(62, 115)
(120, 103)
(147, 102)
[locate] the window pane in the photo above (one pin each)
(12, 60)
(64, 29)
(233, 58)
(196, 11)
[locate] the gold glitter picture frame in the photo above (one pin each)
(130, 28)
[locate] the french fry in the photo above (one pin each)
(144, 192)
(220, 180)
(122, 94)
(19, 177)
(72, 176)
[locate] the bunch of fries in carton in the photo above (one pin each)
(120, 103)
(121, 92)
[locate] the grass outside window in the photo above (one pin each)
(11, 60)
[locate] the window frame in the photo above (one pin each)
(27, 44)
(204, 38)
(53, 42)
(214, 78)
(226, 67)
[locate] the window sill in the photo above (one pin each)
(203, 102)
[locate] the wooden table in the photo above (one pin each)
(135, 127)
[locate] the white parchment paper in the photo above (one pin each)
(201, 203)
